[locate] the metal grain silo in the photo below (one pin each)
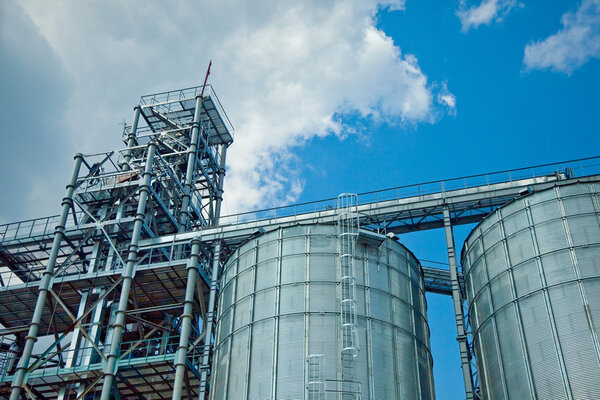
(279, 304)
(533, 287)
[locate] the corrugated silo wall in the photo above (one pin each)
(533, 288)
(280, 302)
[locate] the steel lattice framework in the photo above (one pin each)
(121, 287)
(109, 320)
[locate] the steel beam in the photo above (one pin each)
(458, 308)
(74, 345)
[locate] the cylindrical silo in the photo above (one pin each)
(280, 302)
(533, 288)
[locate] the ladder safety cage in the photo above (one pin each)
(348, 230)
(315, 377)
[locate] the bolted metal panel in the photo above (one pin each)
(280, 304)
(532, 276)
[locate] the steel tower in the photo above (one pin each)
(116, 320)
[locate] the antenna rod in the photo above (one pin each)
(206, 77)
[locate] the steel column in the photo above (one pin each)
(219, 199)
(184, 212)
(458, 309)
(119, 325)
(131, 137)
(210, 316)
(192, 272)
(186, 320)
(31, 338)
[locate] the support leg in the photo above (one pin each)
(119, 325)
(210, 317)
(458, 309)
(186, 321)
(67, 204)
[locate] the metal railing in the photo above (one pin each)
(151, 349)
(169, 254)
(570, 169)
(188, 94)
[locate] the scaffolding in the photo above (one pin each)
(115, 297)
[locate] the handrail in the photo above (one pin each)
(420, 188)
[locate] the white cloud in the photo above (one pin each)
(484, 13)
(284, 73)
(570, 47)
(446, 98)
(32, 104)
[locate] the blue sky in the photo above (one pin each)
(326, 97)
(507, 116)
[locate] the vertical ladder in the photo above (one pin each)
(315, 377)
(348, 225)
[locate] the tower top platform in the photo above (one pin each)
(175, 110)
